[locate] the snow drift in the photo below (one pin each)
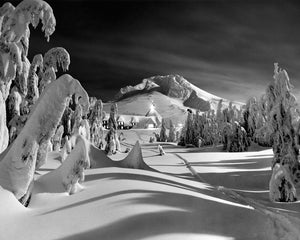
(134, 159)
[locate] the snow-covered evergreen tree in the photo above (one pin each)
(197, 128)
(163, 131)
(280, 102)
(219, 116)
(112, 140)
(95, 118)
(14, 43)
(172, 132)
(189, 132)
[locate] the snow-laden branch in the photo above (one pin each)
(10, 64)
(5, 12)
(57, 57)
(28, 12)
(33, 79)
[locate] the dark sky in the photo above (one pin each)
(224, 47)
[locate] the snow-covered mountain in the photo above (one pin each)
(139, 104)
(175, 86)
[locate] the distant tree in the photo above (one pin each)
(156, 136)
(197, 128)
(178, 135)
(172, 134)
(112, 140)
(163, 131)
(219, 116)
(231, 112)
(239, 142)
(189, 133)
(95, 119)
(250, 116)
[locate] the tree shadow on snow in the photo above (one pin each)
(184, 214)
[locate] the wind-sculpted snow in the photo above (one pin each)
(29, 11)
(57, 57)
(133, 160)
(70, 174)
(17, 166)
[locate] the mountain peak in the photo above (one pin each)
(174, 86)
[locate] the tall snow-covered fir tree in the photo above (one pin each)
(280, 105)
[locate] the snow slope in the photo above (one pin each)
(168, 108)
(118, 203)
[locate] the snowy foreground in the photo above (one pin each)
(184, 201)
